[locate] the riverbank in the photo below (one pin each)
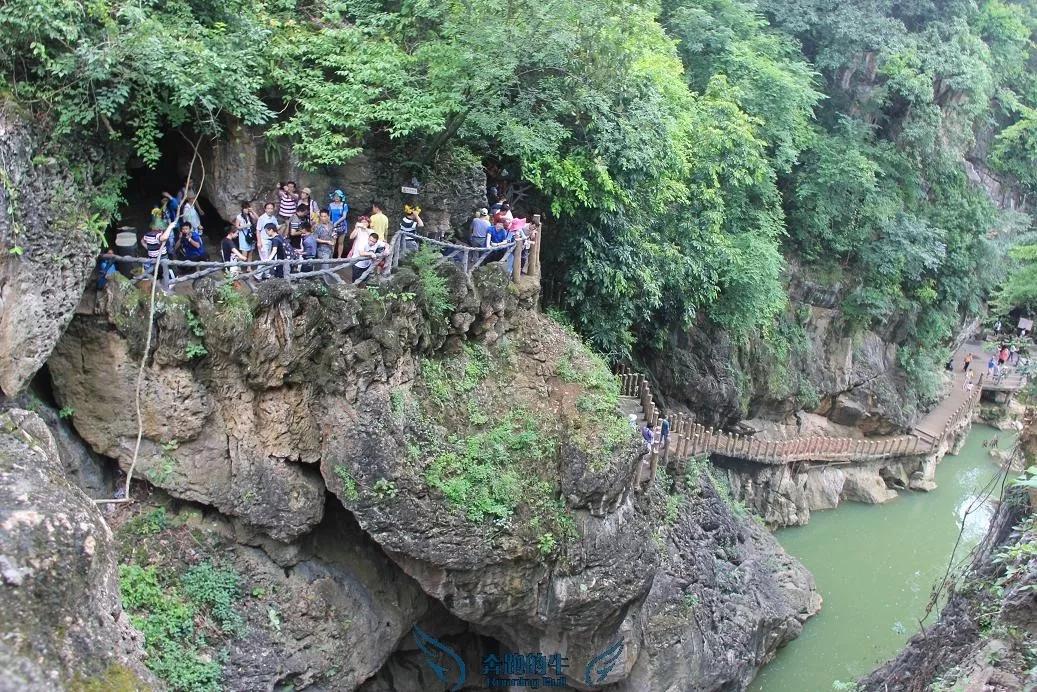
(875, 566)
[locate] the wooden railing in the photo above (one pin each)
(524, 251)
(687, 438)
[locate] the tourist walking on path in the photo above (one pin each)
(1002, 357)
(307, 202)
(648, 435)
(967, 384)
(968, 362)
(992, 367)
(190, 213)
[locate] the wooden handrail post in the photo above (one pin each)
(516, 264)
(534, 255)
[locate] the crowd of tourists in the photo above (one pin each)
(296, 233)
(1005, 356)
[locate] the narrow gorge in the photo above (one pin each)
(588, 345)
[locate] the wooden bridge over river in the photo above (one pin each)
(688, 439)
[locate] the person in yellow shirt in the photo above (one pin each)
(380, 222)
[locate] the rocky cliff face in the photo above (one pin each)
(850, 380)
(59, 602)
(986, 633)
(46, 249)
(475, 448)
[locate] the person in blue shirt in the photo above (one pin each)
(338, 211)
(189, 244)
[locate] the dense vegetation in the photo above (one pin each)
(687, 147)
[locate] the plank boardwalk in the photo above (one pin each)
(688, 439)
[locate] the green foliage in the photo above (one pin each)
(148, 524)
(349, 486)
(547, 543)
(66, 412)
(126, 71)
(195, 350)
(433, 293)
(167, 620)
(384, 489)
(480, 474)
(218, 589)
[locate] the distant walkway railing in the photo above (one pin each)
(522, 253)
(688, 439)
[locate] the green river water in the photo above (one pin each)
(875, 566)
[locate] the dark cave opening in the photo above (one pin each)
(145, 188)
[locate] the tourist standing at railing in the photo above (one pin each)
(325, 235)
(411, 220)
(268, 217)
(359, 237)
(277, 250)
(374, 250)
(480, 229)
(154, 243)
(379, 221)
(308, 246)
(301, 216)
(246, 223)
(231, 252)
(338, 209)
(287, 201)
(189, 244)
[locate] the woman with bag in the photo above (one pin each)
(245, 223)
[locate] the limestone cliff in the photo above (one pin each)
(848, 378)
(46, 249)
(59, 604)
(473, 446)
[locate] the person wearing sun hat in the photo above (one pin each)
(480, 228)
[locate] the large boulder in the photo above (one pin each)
(59, 598)
(46, 249)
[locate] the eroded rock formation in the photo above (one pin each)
(59, 597)
(46, 249)
(312, 389)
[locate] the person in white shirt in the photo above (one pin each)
(268, 217)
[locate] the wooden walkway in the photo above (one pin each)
(688, 439)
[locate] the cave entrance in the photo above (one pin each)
(144, 192)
